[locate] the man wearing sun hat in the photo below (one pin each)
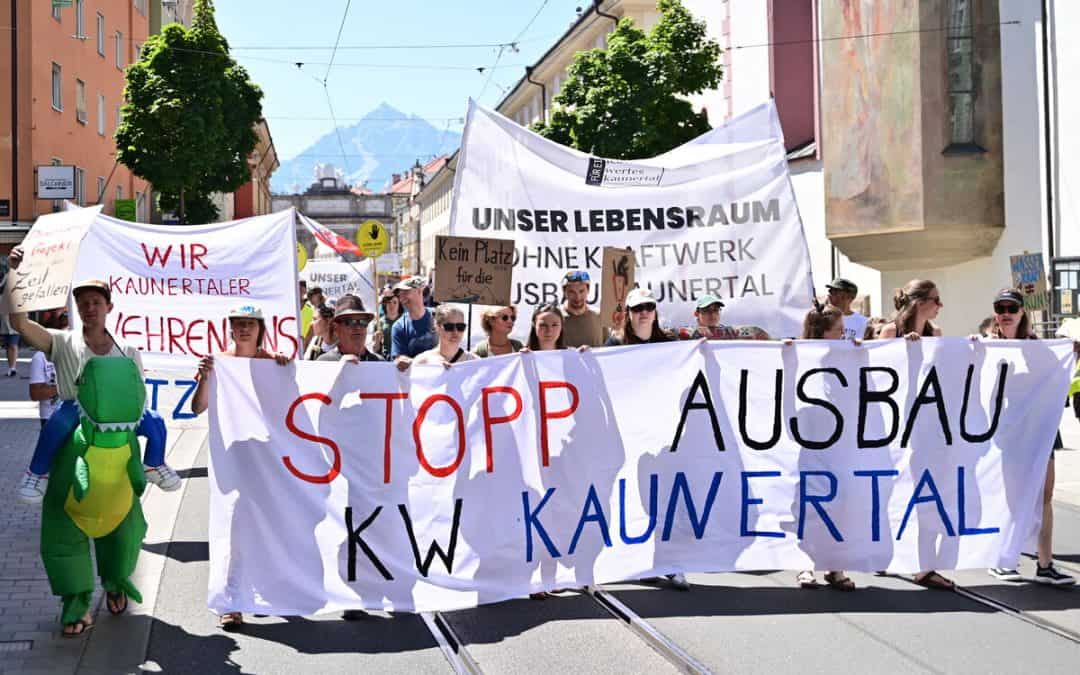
(70, 350)
(350, 329)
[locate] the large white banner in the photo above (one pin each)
(337, 277)
(172, 286)
(717, 216)
(339, 485)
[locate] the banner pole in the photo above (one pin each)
(468, 330)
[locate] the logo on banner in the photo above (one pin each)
(613, 173)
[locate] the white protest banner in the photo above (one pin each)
(717, 215)
(339, 485)
(172, 286)
(337, 278)
(50, 251)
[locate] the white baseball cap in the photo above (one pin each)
(246, 312)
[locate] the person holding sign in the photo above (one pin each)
(450, 327)
(1011, 322)
(824, 323)
(69, 351)
(842, 293)
(351, 329)
(917, 305)
(498, 322)
(582, 325)
(414, 332)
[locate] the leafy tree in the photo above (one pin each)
(628, 101)
(189, 117)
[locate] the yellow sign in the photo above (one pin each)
(372, 239)
(301, 257)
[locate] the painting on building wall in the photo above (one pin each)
(870, 111)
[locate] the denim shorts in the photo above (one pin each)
(11, 340)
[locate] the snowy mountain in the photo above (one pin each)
(384, 142)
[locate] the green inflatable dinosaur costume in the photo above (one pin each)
(94, 489)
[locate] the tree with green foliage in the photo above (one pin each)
(189, 117)
(628, 101)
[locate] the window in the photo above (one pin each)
(80, 101)
(57, 87)
(101, 34)
(140, 209)
(80, 186)
(100, 189)
(80, 18)
(119, 192)
(57, 204)
(56, 12)
(962, 83)
(119, 50)
(140, 7)
(101, 114)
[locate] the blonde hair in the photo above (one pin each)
(489, 316)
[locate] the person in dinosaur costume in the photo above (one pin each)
(94, 494)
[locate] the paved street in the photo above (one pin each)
(756, 623)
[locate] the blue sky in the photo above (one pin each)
(265, 36)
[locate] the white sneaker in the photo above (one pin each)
(31, 488)
(679, 582)
(162, 476)
(1005, 573)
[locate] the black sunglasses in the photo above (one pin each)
(452, 327)
(1006, 308)
(508, 317)
(352, 321)
(645, 307)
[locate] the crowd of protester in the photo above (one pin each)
(408, 328)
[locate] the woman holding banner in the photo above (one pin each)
(1011, 322)
(247, 329)
(917, 305)
(450, 329)
(824, 323)
(497, 323)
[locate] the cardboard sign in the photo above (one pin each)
(474, 270)
(616, 281)
(1029, 275)
(50, 252)
(372, 239)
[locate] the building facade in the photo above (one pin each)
(254, 198)
(64, 80)
(332, 203)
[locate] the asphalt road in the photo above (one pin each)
(747, 623)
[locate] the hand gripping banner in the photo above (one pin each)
(340, 485)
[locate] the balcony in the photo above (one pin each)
(912, 132)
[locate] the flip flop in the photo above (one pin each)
(79, 628)
(839, 581)
(935, 581)
(116, 602)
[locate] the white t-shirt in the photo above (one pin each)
(435, 356)
(69, 354)
(42, 371)
(855, 326)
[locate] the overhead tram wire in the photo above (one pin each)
(502, 48)
(326, 88)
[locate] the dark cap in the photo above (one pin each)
(842, 284)
(92, 285)
(1009, 295)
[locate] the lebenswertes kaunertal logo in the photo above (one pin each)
(613, 173)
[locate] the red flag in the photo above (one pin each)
(330, 238)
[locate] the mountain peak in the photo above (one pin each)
(386, 111)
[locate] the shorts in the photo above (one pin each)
(11, 340)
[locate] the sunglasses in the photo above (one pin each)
(353, 322)
(576, 276)
(646, 307)
(1006, 308)
(508, 317)
(454, 327)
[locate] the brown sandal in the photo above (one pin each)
(839, 581)
(935, 581)
(232, 621)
